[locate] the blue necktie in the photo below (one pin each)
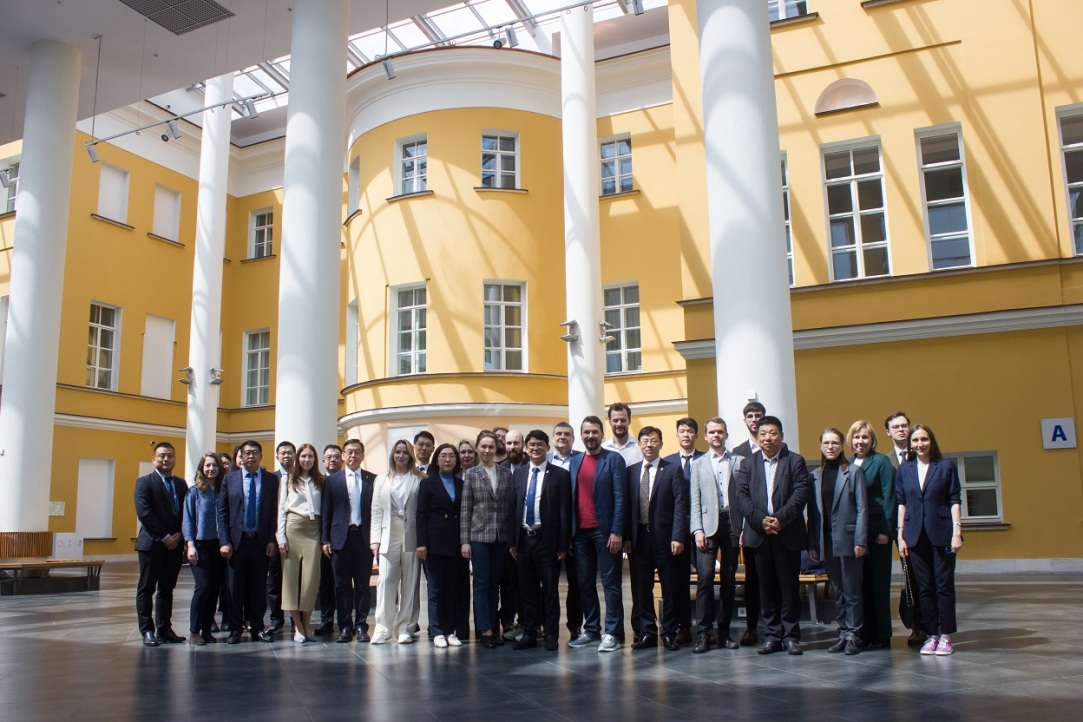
(172, 492)
(686, 467)
(250, 514)
(531, 492)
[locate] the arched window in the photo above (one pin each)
(845, 94)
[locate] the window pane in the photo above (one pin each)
(108, 316)
(513, 315)
(981, 502)
(492, 338)
(612, 317)
(488, 162)
(513, 338)
(635, 360)
(405, 341)
(1073, 163)
(609, 150)
(507, 181)
(943, 184)
(945, 219)
(1077, 233)
(870, 195)
(839, 199)
(609, 187)
(980, 470)
(507, 163)
(1071, 130)
(421, 363)
(488, 142)
(631, 294)
(631, 316)
(873, 228)
(951, 252)
(404, 365)
(845, 264)
(507, 144)
(624, 147)
(611, 296)
(626, 184)
(837, 165)
(625, 166)
(513, 360)
(942, 149)
(612, 363)
(633, 338)
(866, 160)
(842, 232)
(513, 293)
(492, 292)
(876, 261)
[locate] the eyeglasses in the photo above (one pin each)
(447, 455)
(538, 445)
(899, 427)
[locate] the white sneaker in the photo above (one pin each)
(299, 638)
(943, 647)
(609, 643)
(406, 638)
(379, 638)
(440, 642)
(453, 641)
(930, 645)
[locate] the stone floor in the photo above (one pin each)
(79, 657)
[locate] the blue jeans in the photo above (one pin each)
(488, 563)
(591, 558)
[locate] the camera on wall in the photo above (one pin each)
(174, 131)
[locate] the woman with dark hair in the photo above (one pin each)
(394, 541)
(447, 573)
(300, 501)
(200, 529)
(928, 493)
(838, 522)
(876, 575)
(483, 532)
(468, 455)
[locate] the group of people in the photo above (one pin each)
(504, 514)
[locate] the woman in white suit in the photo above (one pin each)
(394, 541)
(838, 528)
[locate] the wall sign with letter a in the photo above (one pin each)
(1058, 433)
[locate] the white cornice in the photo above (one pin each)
(257, 168)
(1024, 319)
(469, 410)
(117, 426)
(634, 82)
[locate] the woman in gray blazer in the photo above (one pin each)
(838, 528)
(483, 532)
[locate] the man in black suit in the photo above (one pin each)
(347, 521)
(772, 490)
(247, 518)
(332, 462)
(159, 505)
(751, 415)
(539, 527)
(657, 497)
(687, 433)
(286, 454)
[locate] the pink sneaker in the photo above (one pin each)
(943, 647)
(930, 645)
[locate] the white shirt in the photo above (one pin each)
(859, 460)
(900, 454)
(490, 471)
(352, 478)
(722, 467)
(769, 468)
(629, 450)
(537, 493)
(923, 469)
(398, 494)
(306, 501)
(563, 462)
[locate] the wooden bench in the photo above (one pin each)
(25, 566)
(810, 584)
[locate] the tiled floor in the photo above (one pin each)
(79, 657)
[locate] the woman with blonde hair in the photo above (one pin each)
(394, 541)
(468, 455)
(300, 501)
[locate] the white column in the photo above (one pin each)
(308, 296)
(205, 338)
(582, 244)
(37, 282)
(749, 275)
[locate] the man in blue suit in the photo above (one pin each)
(598, 521)
(247, 517)
(561, 455)
(681, 568)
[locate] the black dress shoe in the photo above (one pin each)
(703, 643)
(684, 636)
(149, 640)
(770, 647)
(551, 644)
(362, 635)
(916, 638)
(793, 647)
(670, 643)
(233, 638)
(325, 629)
(749, 638)
(837, 646)
(487, 641)
(851, 647)
(168, 636)
(527, 642)
(727, 643)
(207, 637)
(264, 635)
(276, 626)
(878, 644)
(346, 635)
(645, 641)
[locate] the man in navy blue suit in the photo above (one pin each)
(681, 569)
(247, 518)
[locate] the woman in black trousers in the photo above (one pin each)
(200, 529)
(439, 499)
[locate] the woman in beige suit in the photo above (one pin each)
(483, 531)
(394, 541)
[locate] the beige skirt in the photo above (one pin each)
(301, 566)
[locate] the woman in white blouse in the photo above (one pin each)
(300, 498)
(394, 541)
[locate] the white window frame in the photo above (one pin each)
(786, 215)
(501, 349)
(937, 132)
(11, 193)
(618, 174)
(418, 314)
(167, 212)
(113, 186)
(262, 391)
(261, 235)
(960, 461)
(782, 9)
(621, 348)
(94, 345)
(497, 173)
(1075, 222)
(411, 181)
(854, 181)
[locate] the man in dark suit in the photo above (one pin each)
(561, 455)
(539, 527)
(897, 426)
(751, 414)
(687, 433)
(599, 517)
(772, 491)
(332, 462)
(247, 519)
(347, 520)
(716, 529)
(511, 604)
(285, 454)
(657, 529)
(159, 505)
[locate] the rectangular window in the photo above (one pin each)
(943, 189)
(158, 341)
(782, 9)
(102, 346)
(505, 326)
(1071, 143)
(616, 166)
(500, 161)
(410, 329)
(786, 216)
(414, 166)
(624, 352)
(113, 193)
(257, 368)
(12, 191)
(857, 224)
(166, 213)
(979, 474)
(94, 499)
(261, 235)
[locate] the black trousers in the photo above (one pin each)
(752, 592)
(448, 581)
(780, 595)
(158, 571)
(573, 605)
(510, 599)
(274, 590)
(681, 573)
(722, 545)
(248, 585)
(876, 593)
(652, 553)
(352, 565)
(326, 599)
(539, 586)
(209, 573)
(934, 571)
